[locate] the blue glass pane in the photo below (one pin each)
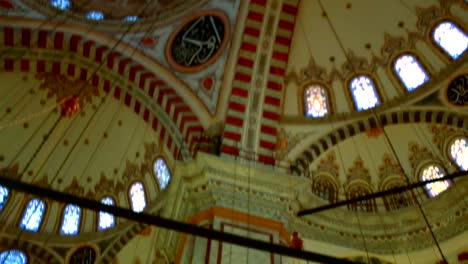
(13, 257)
(410, 72)
(95, 15)
(71, 220)
(137, 197)
(316, 101)
(106, 220)
(61, 4)
(33, 215)
(162, 173)
(451, 39)
(363, 90)
(4, 193)
(130, 18)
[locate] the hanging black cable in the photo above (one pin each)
(167, 223)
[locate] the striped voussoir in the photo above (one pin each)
(153, 87)
(300, 165)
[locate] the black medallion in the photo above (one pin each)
(83, 255)
(198, 41)
(457, 91)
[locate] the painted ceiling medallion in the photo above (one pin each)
(457, 91)
(198, 42)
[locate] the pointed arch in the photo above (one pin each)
(316, 101)
(433, 171)
(71, 220)
(161, 172)
(106, 220)
(4, 194)
(13, 256)
(356, 191)
(458, 152)
(450, 38)
(364, 93)
(325, 188)
(410, 71)
(137, 196)
(33, 215)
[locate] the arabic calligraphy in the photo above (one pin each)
(198, 41)
(84, 255)
(457, 91)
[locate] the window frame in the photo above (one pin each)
(7, 200)
(145, 192)
(448, 147)
(97, 214)
(332, 182)
(355, 207)
(155, 177)
(302, 98)
(41, 224)
(80, 222)
(422, 63)
(351, 94)
(420, 171)
(441, 52)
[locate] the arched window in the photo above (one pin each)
(364, 93)
(316, 101)
(13, 257)
(106, 220)
(33, 215)
(430, 172)
(162, 173)
(363, 206)
(137, 197)
(410, 72)
(459, 152)
(71, 220)
(451, 39)
(4, 193)
(325, 189)
(61, 4)
(397, 200)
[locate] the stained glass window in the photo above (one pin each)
(137, 197)
(33, 215)
(434, 172)
(410, 72)
(364, 93)
(396, 201)
(61, 4)
(130, 18)
(71, 220)
(162, 173)
(316, 101)
(4, 193)
(106, 220)
(451, 39)
(13, 257)
(95, 15)
(459, 152)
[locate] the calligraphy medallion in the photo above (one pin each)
(198, 42)
(457, 91)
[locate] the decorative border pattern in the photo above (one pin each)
(300, 164)
(152, 86)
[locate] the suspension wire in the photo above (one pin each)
(55, 125)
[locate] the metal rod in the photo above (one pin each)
(380, 194)
(168, 223)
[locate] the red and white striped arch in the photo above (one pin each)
(155, 83)
(245, 76)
